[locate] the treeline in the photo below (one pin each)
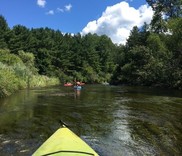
(88, 58)
(152, 54)
(151, 59)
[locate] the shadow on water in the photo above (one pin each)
(115, 121)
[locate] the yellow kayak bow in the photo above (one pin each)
(64, 143)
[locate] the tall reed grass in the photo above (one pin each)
(42, 81)
(9, 82)
(18, 76)
(19, 72)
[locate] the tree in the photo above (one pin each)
(9, 59)
(4, 29)
(175, 38)
(158, 47)
(29, 60)
(171, 8)
(164, 10)
(90, 54)
(144, 33)
(134, 38)
(19, 38)
(158, 24)
(174, 43)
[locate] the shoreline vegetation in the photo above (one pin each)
(152, 55)
(18, 72)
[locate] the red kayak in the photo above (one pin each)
(80, 83)
(68, 84)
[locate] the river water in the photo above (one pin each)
(113, 120)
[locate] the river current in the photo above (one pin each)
(113, 120)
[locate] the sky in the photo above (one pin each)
(114, 18)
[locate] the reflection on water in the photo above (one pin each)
(115, 121)
(77, 93)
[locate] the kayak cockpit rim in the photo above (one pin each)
(62, 151)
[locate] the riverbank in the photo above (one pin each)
(10, 83)
(19, 72)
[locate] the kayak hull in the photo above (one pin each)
(64, 143)
(68, 84)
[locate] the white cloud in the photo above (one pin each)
(50, 12)
(117, 21)
(60, 10)
(68, 7)
(41, 3)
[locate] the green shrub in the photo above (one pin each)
(18, 73)
(9, 83)
(42, 81)
(10, 59)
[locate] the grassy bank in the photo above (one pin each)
(13, 79)
(42, 81)
(18, 72)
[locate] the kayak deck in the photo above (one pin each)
(64, 143)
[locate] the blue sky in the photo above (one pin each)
(114, 18)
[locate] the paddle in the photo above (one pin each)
(63, 123)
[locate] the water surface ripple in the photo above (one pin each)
(115, 121)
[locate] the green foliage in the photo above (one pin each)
(42, 81)
(8, 58)
(171, 8)
(19, 39)
(155, 43)
(163, 11)
(150, 57)
(4, 29)
(92, 76)
(65, 55)
(9, 82)
(28, 60)
(174, 43)
(134, 38)
(138, 57)
(158, 24)
(175, 38)
(19, 73)
(149, 64)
